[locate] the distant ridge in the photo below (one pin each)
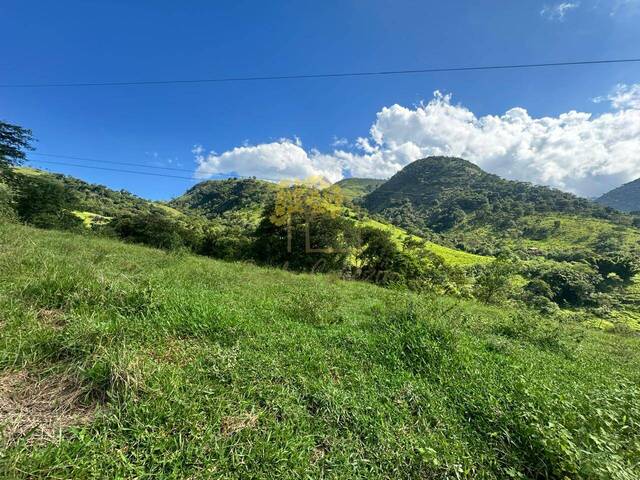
(625, 198)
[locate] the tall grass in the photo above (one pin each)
(206, 369)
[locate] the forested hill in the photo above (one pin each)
(214, 198)
(438, 193)
(625, 198)
(79, 195)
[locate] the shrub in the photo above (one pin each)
(493, 281)
(7, 211)
(153, 229)
(571, 284)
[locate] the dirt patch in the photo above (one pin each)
(52, 317)
(39, 409)
(231, 425)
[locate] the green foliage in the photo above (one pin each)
(7, 210)
(354, 189)
(215, 198)
(571, 284)
(154, 229)
(625, 266)
(208, 369)
(45, 203)
(14, 140)
(493, 282)
(440, 193)
(319, 242)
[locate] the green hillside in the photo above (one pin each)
(217, 198)
(553, 232)
(625, 198)
(355, 188)
(440, 193)
(174, 366)
(93, 198)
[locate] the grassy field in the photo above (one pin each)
(119, 361)
(566, 232)
(450, 255)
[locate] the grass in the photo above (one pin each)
(572, 232)
(89, 219)
(450, 255)
(203, 369)
(30, 171)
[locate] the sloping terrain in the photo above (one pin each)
(439, 193)
(355, 188)
(208, 369)
(217, 198)
(625, 198)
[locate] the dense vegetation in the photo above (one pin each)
(225, 198)
(183, 367)
(440, 193)
(625, 198)
(233, 220)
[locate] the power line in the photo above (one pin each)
(91, 167)
(131, 164)
(85, 159)
(319, 75)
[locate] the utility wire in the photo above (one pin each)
(130, 164)
(319, 75)
(91, 167)
(85, 159)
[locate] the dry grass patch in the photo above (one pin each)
(233, 424)
(39, 409)
(52, 317)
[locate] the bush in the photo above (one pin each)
(286, 245)
(493, 281)
(45, 203)
(571, 284)
(623, 265)
(154, 229)
(7, 211)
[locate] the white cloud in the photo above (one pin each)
(284, 159)
(623, 96)
(558, 11)
(575, 151)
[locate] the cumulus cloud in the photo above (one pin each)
(623, 96)
(575, 151)
(558, 11)
(284, 159)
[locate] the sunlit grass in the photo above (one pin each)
(207, 369)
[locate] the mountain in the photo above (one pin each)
(439, 193)
(625, 198)
(355, 188)
(216, 198)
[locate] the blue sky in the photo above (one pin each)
(87, 41)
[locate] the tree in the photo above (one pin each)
(493, 283)
(45, 203)
(154, 229)
(14, 140)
